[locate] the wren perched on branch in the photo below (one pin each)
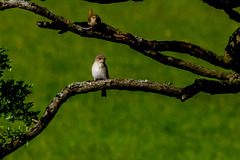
(93, 20)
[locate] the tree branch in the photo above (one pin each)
(192, 50)
(141, 45)
(233, 47)
(151, 48)
(109, 33)
(229, 82)
(146, 47)
(201, 85)
(80, 88)
(194, 68)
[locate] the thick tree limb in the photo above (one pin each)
(211, 87)
(80, 88)
(201, 85)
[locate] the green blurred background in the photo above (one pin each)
(125, 125)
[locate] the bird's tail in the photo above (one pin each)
(90, 12)
(104, 93)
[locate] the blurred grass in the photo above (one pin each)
(125, 125)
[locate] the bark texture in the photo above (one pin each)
(221, 81)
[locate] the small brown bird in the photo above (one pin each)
(93, 20)
(100, 71)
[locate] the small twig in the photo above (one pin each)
(34, 120)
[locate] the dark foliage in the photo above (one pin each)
(12, 102)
